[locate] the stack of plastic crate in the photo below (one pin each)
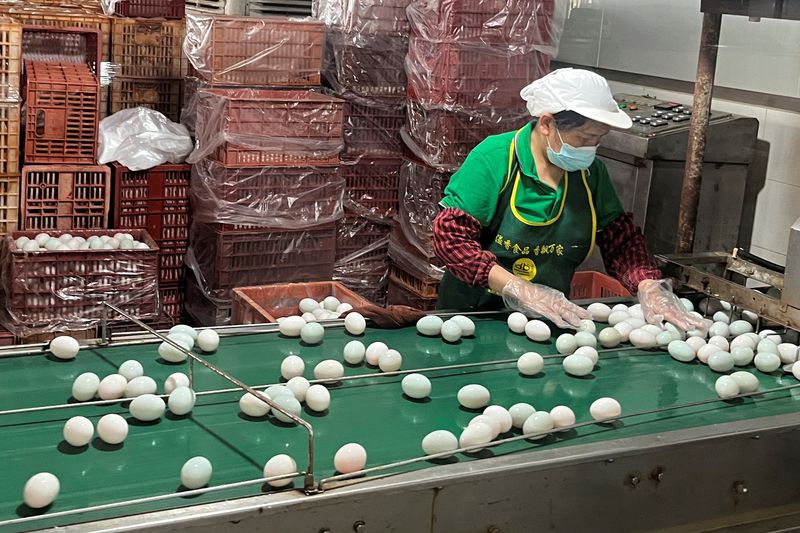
(266, 188)
(148, 63)
(10, 71)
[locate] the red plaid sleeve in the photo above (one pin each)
(456, 242)
(625, 253)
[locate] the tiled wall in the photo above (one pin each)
(661, 39)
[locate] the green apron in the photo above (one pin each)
(546, 252)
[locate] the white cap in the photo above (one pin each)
(581, 91)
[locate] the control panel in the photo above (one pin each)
(652, 116)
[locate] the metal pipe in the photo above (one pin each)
(695, 151)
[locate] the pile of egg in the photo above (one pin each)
(451, 330)
(44, 242)
(187, 337)
(306, 327)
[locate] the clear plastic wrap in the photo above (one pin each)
(471, 76)
(521, 25)
(408, 259)
(10, 60)
(372, 187)
(142, 138)
(255, 51)
(421, 190)
(191, 86)
(362, 252)
(443, 138)
(365, 64)
(224, 256)
(372, 125)
(251, 128)
(376, 17)
(60, 290)
(397, 294)
(279, 197)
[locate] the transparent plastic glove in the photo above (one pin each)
(659, 304)
(530, 298)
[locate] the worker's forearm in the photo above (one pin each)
(498, 277)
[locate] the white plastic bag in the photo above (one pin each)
(141, 138)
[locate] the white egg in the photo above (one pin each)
(354, 352)
(738, 327)
(131, 369)
(350, 458)
(147, 407)
(587, 326)
(318, 398)
(171, 354)
(562, 416)
(577, 365)
(439, 441)
(331, 303)
(312, 333)
(696, 343)
(473, 396)
(687, 304)
(355, 324)
(430, 325)
(618, 316)
(475, 434)
(291, 326)
(416, 386)
(318, 312)
(329, 369)
(742, 355)
(589, 352)
(619, 307)
(767, 346)
(278, 390)
(288, 404)
(20, 242)
(307, 305)
(719, 329)
(489, 421)
(308, 317)
(85, 386)
(78, 431)
(183, 328)
(64, 347)
(181, 401)
(292, 366)
(139, 386)
(52, 244)
(451, 331)
(112, 429)
(280, 465)
(374, 352)
(681, 351)
(519, 413)
(642, 339)
(719, 341)
(31, 246)
(466, 324)
(517, 322)
(178, 379)
(771, 335)
(196, 472)
(530, 363)
(767, 362)
(584, 338)
(721, 316)
(599, 311)
(566, 343)
(796, 370)
(299, 386)
(787, 352)
(635, 322)
(500, 414)
(652, 329)
(665, 337)
(636, 311)
(605, 409)
(112, 387)
(253, 406)
(390, 361)
(747, 382)
(539, 424)
(185, 338)
(721, 362)
(726, 387)
(41, 490)
(208, 340)
(42, 238)
(706, 351)
(624, 329)
(609, 338)
(537, 331)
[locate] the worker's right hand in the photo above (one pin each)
(531, 299)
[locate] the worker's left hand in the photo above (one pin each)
(659, 304)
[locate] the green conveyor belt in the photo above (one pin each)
(372, 412)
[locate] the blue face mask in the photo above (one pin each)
(570, 158)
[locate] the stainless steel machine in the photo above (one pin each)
(646, 164)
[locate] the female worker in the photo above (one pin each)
(527, 207)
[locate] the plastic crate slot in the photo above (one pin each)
(65, 197)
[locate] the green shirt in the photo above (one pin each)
(475, 187)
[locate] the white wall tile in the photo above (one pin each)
(777, 208)
(580, 40)
(782, 131)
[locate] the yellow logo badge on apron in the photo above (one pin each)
(524, 268)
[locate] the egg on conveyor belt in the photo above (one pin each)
(147, 407)
(354, 352)
(208, 340)
(131, 369)
(390, 361)
(41, 490)
(299, 386)
(519, 413)
(196, 472)
(139, 386)
(78, 431)
(473, 396)
(318, 398)
(430, 326)
(292, 366)
(537, 331)
(517, 322)
(181, 401)
(85, 386)
(328, 369)
(530, 364)
(466, 324)
(451, 331)
(439, 441)
(64, 347)
(312, 333)
(290, 405)
(355, 324)
(539, 423)
(173, 381)
(112, 429)
(351, 457)
(605, 409)
(280, 465)
(416, 386)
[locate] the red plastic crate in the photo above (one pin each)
(249, 128)
(47, 44)
(398, 294)
(168, 9)
(590, 284)
(9, 137)
(149, 49)
(165, 96)
(63, 102)
(367, 65)
(65, 197)
(424, 288)
(372, 126)
(62, 16)
(171, 261)
(171, 299)
(372, 187)
(256, 51)
(360, 239)
(471, 76)
(444, 138)
(236, 256)
(9, 203)
(10, 60)
(269, 195)
(69, 286)
(366, 18)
